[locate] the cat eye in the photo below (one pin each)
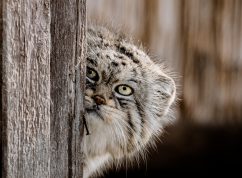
(92, 74)
(124, 90)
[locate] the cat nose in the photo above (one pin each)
(99, 99)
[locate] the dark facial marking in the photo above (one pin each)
(100, 35)
(121, 57)
(131, 131)
(107, 56)
(123, 104)
(93, 62)
(104, 75)
(90, 85)
(124, 99)
(133, 80)
(141, 113)
(135, 61)
(116, 81)
(123, 63)
(110, 78)
(115, 64)
(130, 122)
(134, 72)
(128, 54)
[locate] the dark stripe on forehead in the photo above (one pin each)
(123, 63)
(107, 56)
(104, 75)
(121, 57)
(135, 72)
(115, 64)
(111, 76)
(118, 55)
(127, 53)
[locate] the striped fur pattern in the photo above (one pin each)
(122, 126)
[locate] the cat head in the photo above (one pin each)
(127, 95)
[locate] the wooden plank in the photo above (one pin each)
(25, 88)
(68, 34)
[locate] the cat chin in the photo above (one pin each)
(92, 115)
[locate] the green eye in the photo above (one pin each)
(92, 74)
(124, 90)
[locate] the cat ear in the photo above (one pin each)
(166, 87)
(164, 94)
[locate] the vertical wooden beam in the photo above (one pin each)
(68, 36)
(25, 88)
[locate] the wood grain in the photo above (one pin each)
(67, 85)
(42, 75)
(25, 88)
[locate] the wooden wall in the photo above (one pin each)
(201, 40)
(42, 81)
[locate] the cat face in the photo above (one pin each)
(127, 96)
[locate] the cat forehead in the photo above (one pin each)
(109, 51)
(101, 40)
(110, 57)
(110, 62)
(120, 55)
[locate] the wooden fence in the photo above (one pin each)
(42, 78)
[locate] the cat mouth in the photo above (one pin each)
(92, 108)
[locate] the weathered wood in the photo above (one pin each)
(68, 26)
(25, 88)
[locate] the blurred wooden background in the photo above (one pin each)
(200, 39)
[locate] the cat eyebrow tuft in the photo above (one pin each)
(133, 80)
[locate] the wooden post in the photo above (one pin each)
(68, 23)
(25, 88)
(42, 78)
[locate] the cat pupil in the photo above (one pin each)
(124, 88)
